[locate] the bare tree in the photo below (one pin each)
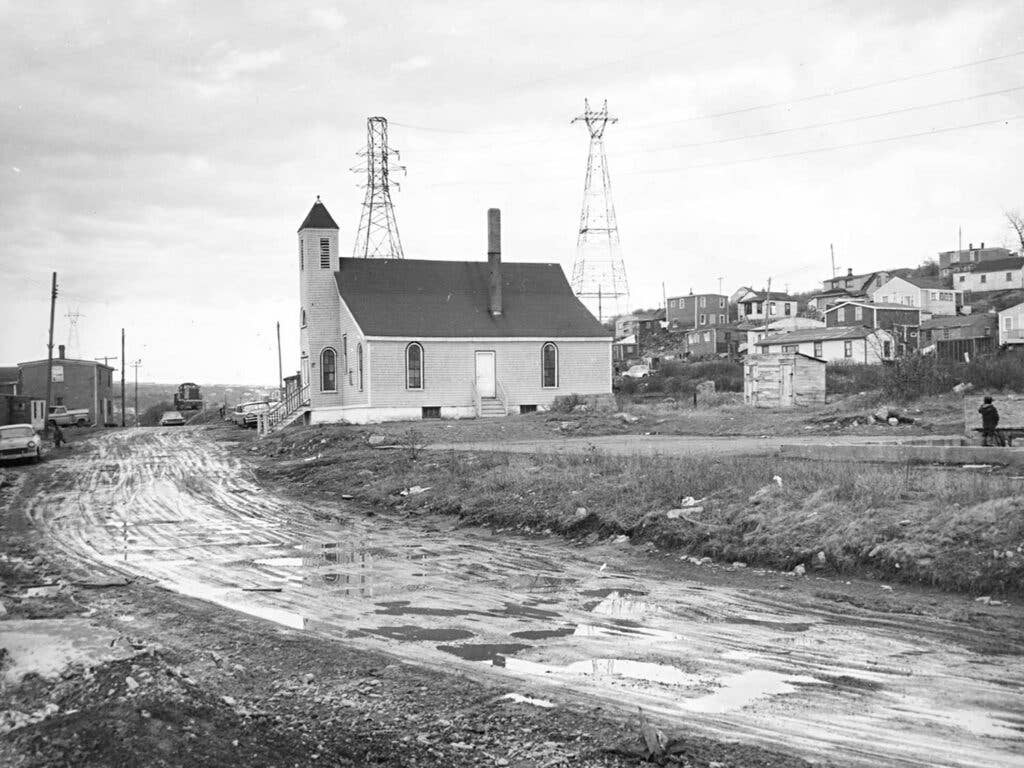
(1017, 222)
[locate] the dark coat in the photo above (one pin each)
(989, 416)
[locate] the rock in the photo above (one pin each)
(580, 513)
(229, 700)
(628, 418)
(347, 497)
(893, 421)
(131, 683)
(800, 570)
(376, 439)
(581, 408)
(986, 599)
(821, 557)
(308, 678)
(621, 539)
(738, 564)
(875, 550)
(705, 561)
(568, 426)
(884, 412)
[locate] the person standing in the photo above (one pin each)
(58, 436)
(989, 422)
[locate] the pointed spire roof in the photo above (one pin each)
(318, 217)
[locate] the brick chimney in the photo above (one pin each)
(494, 261)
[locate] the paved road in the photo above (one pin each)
(677, 445)
(779, 668)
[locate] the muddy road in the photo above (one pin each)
(766, 662)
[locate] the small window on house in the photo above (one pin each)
(703, 301)
(302, 253)
(987, 330)
(527, 409)
(983, 279)
(346, 371)
(703, 319)
(771, 308)
(1007, 323)
(711, 319)
(847, 349)
(414, 366)
(302, 318)
(841, 314)
(432, 412)
(328, 371)
(721, 318)
(359, 365)
(549, 365)
(1009, 277)
(721, 302)
(818, 351)
(682, 303)
(788, 308)
(963, 278)
(858, 313)
(886, 349)
(945, 333)
(59, 401)
(325, 253)
(789, 349)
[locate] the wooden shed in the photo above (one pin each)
(783, 381)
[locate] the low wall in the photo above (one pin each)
(908, 454)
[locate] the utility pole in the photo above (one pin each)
(280, 370)
(767, 303)
(122, 377)
(720, 286)
(833, 252)
(664, 297)
(599, 318)
(49, 357)
(135, 365)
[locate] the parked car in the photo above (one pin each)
(20, 441)
(64, 416)
(172, 419)
(246, 414)
(638, 371)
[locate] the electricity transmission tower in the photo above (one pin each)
(598, 274)
(377, 237)
(72, 317)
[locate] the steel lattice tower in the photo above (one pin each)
(599, 274)
(378, 231)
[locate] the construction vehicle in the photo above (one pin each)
(188, 397)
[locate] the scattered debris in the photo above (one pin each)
(414, 490)
(98, 583)
(627, 418)
(376, 439)
(520, 699)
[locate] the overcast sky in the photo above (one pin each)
(160, 155)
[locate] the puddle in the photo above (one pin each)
(48, 646)
(739, 690)
(525, 611)
(612, 591)
(543, 634)
(47, 590)
(493, 652)
(283, 562)
(780, 625)
(408, 610)
(420, 634)
(624, 668)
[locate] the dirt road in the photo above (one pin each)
(771, 663)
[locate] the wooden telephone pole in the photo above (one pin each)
(280, 370)
(49, 357)
(135, 365)
(122, 377)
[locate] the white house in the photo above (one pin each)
(760, 305)
(999, 275)
(851, 344)
(1011, 326)
(929, 294)
(396, 339)
(756, 331)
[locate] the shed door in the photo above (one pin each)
(786, 383)
(38, 414)
(485, 374)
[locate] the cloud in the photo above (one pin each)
(412, 64)
(329, 18)
(237, 63)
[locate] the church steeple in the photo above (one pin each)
(318, 217)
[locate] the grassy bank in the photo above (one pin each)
(951, 528)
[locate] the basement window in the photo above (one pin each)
(432, 412)
(527, 409)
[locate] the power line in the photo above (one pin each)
(839, 92)
(840, 121)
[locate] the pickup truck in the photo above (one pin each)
(1011, 415)
(60, 414)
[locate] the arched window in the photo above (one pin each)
(302, 318)
(549, 365)
(414, 366)
(328, 371)
(359, 365)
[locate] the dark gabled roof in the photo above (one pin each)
(998, 265)
(8, 373)
(929, 283)
(817, 334)
(959, 321)
(65, 361)
(416, 298)
(318, 218)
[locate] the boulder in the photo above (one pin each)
(800, 570)
(376, 439)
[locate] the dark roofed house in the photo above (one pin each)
(1005, 274)
(952, 337)
(8, 380)
(396, 339)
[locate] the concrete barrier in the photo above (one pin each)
(908, 454)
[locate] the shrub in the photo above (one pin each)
(565, 403)
(850, 378)
(151, 416)
(627, 385)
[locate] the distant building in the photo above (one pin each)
(993, 275)
(901, 321)
(1011, 327)
(856, 283)
(850, 344)
(75, 384)
(952, 336)
(638, 321)
(929, 294)
(951, 261)
(819, 302)
(714, 341)
(783, 381)
(8, 380)
(760, 305)
(625, 349)
(754, 332)
(697, 311)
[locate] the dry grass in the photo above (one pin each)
(951, 528)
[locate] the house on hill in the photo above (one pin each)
(850, 344)
(953, 336)
(993, 275)
(953, 261)
(858, 284)
(396, 339)
(929, 294)
(756, 306)
(1011, 327)
(901, 321)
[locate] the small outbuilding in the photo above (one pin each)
(783, 381)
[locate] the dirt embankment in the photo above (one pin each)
(952, 528)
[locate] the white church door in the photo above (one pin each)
(485, 377)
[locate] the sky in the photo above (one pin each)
(159, 156)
